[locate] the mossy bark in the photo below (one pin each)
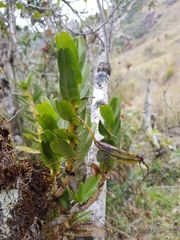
(24, 188)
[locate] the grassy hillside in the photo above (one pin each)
(151, 47)
(147, 46)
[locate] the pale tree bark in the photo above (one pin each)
(100, 97)
(147, 123)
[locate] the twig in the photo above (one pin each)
(15, 114)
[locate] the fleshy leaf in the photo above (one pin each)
(46, 108)
(66, 59)
(107, 114)
(69, 88)
(62, 148)
(47, 122)
(63, 40)
(50, 159)
(66, 111)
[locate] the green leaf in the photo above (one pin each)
(116, 108)
(79, 193)
(63, 40)
(27, 149)
(81, 52)
(84, 145)
(19, 6)
(67, 59)
(37, 93)
(72, 194)
(50, 159)
(46, 108)
(50, 135)
(107, 114)
(2, 5)
(37, 15)
(28, 80)
(62, 148)
(84, 216)
(64, 200)
(31, 132)
(31, 137)
(89, 187)
(91, 183)
(47, 122)
(104, 132)
(83, 105)
(66, 111)
(44, 138)
(69, 88)
(85, 81)
(88, 195)
(64, 134)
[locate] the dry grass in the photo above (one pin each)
(156, 58)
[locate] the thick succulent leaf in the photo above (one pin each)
(79, 194)
(63, 40)
(116, 108)
(51, 136)
(66, 59)
(50, 159)
(64, 134)
(66, 111)
(46, 108)
(72, 194)
(89, 187)
(107, 114)
(47, 122)
(69, 88)
(62, 148)
(104, 132)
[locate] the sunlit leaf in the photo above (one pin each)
(66, 111)
(45, 108)
(47, 122)
(19, 6)
(107, 114)
(27, 149)
(63, 40)
(2, 5)
(37, 15)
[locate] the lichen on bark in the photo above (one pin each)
(24, 191)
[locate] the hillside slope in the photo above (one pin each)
(147, 45)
